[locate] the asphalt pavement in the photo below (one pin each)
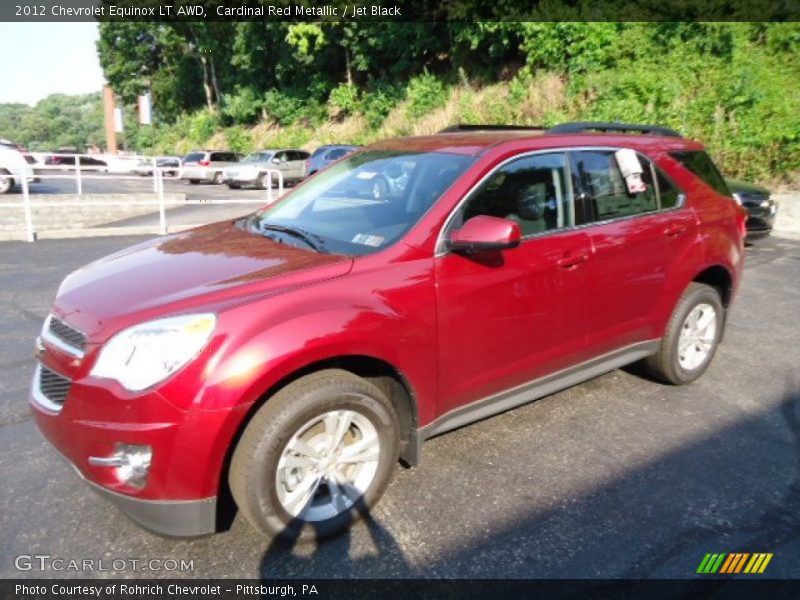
(617, 477)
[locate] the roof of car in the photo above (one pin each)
(474, 143)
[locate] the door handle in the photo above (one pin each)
(673, 230)
(572, 261)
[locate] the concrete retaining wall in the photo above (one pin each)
(787, 223)
(58, 221)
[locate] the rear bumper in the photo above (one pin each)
(203, 174)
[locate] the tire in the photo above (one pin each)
(217, 178)
(679, 360)
(194, 181)
(274, 497)
(6, 184)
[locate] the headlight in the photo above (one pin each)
(145, 354)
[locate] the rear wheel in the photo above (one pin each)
(316, 457)
(692, 336)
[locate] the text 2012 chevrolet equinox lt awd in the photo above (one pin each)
(289, 358)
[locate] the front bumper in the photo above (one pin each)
(240, 181)
(761, 219)
(177, 518)
(179, 496)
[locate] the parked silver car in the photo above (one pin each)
(207, 165)
(253, 169)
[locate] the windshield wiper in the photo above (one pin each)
(314, 242)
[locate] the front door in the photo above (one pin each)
(508, 317)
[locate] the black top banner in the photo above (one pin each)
(399, 10)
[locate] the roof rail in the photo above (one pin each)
(582, 127)
(463, 127)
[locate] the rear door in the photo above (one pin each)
(298, 162)
(634, 239)
(283, 165)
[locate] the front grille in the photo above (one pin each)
(67, 334)
(53, 386)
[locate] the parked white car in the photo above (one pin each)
(13, 169)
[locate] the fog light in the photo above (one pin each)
(131, 464)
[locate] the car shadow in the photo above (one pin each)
(737, 489)
(332, 558)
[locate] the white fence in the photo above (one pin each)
(81, 173)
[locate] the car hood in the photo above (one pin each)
(736, 186)
(192, 270)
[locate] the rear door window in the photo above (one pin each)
(335, 154)
(606, 188)
(700, 163)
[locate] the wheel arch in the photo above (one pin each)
(720, 278)
(384, 375)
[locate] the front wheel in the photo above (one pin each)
(692, 336)
(316, 457)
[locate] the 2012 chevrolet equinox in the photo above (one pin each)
(292, 356)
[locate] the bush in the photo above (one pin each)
(286, 109)
(238, 139)
(344, 97)
(425, 93)
(376, 105)
(244, 106)
(201, 125)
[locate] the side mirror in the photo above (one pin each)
(482, 234)
(276, 161)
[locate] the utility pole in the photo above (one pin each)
(108, 111)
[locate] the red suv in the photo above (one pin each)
(288, 359)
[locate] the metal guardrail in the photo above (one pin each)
(76, 172)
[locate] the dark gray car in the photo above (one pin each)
(760, 206)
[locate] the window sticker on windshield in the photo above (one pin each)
(368, 240)
(366, 175)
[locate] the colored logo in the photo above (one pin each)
(728, 563)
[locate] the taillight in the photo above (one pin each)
(742, 222)
(203, 163)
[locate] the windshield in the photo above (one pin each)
(257, 157)
(362, 204)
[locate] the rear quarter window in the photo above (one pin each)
(700, 163)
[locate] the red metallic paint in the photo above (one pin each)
(456, 328)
